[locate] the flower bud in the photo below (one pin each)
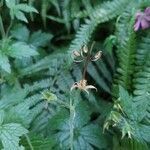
(85, 49)
(76, 53)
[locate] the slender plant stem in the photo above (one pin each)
(9, 27)
(63, 104)
(72, 116)
(87, 61)
(29, 142)
(2, 30)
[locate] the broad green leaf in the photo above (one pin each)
(4, 63)
(10, 3)
(16, 10)
(20, 16)
(20, 49)
(10, 135)
(26, 8)
(20, 33)
(40, 39)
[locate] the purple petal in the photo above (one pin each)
(147, 18)
(138, 14)
(144, 24)
(137, 25)
(147, 11)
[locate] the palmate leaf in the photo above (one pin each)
(20, 49)
(16, 10)
(10, 134)
(85, 135)
(36, 39)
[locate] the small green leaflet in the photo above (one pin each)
(17, 10)
(4, 63)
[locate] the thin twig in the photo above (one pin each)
(87, 61)
(2, 27)
(9, 27)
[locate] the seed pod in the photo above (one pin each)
(97, 56)
(85, 49)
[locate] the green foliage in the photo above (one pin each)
(84, 135)
(14, 50)
(10, 133)
(17, 10)
(38, 109)
(101, 14)
(37, 142)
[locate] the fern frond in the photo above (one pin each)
(40, 122)
(142, 77)
(45, 63)
(102, 73)
(126, 52)
(104, 13)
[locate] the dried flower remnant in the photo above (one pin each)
(142, 20)
(97, 56)
(82, 85)
(77, 56)
(84, 55)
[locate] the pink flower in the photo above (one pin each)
(142, 20)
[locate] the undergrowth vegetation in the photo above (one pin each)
(75, 74)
